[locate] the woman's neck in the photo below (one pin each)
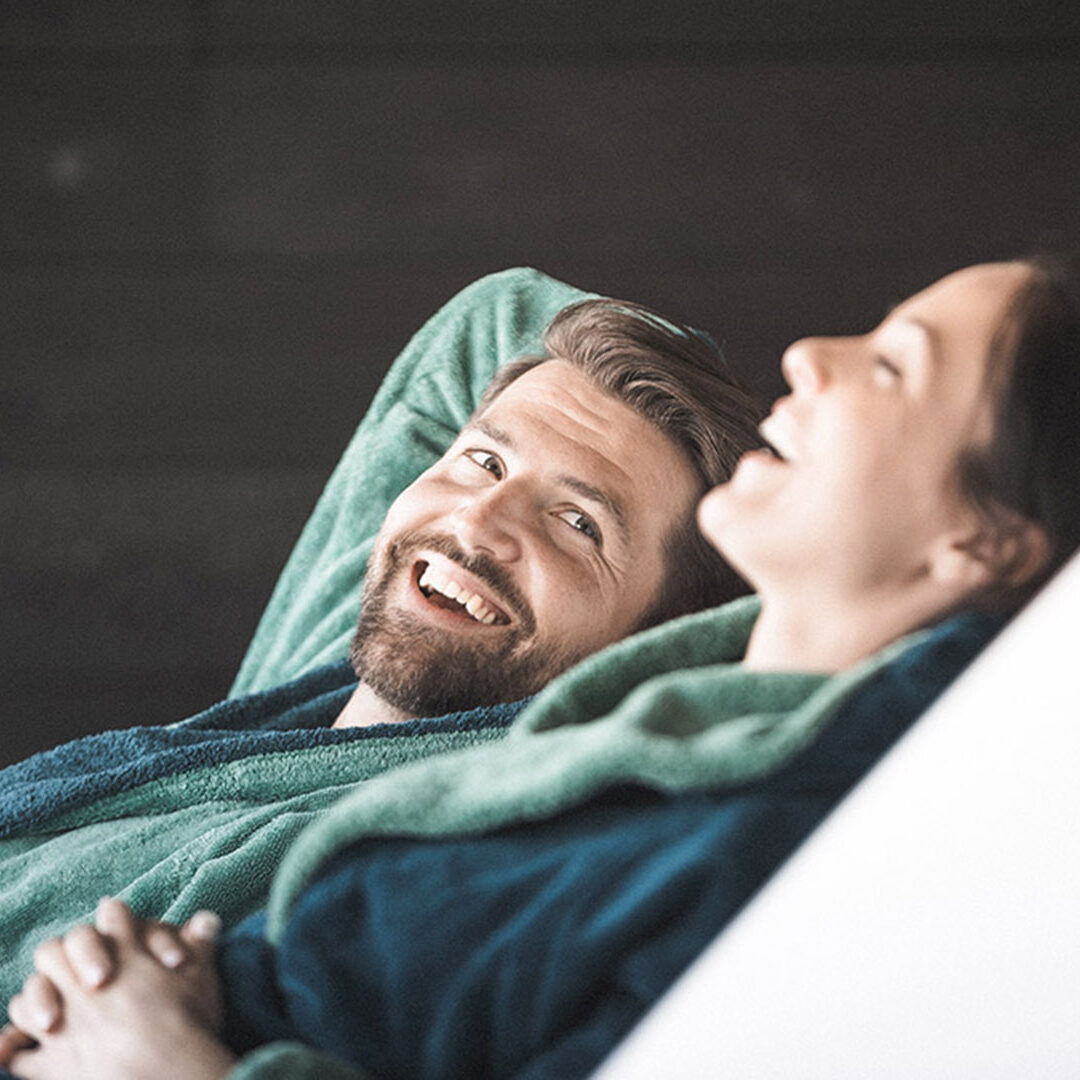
(827, 634)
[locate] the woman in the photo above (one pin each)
(920, 488)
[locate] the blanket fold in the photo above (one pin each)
(671, 709)
(190, 816)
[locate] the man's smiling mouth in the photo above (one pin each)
(444, 591)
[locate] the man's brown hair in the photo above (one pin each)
(678, 380)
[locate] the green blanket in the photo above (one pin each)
(671, 708)
(210, 836)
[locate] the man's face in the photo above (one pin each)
(866, 491)
(535, 540)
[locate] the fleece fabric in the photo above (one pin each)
(196, 815)
(672, 709)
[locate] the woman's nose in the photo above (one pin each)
(805, 365)
(489, 521)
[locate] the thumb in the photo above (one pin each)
(12, 1040)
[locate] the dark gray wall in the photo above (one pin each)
(219, 221)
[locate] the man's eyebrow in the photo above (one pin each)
(496, 434)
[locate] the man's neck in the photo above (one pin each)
(365, 708)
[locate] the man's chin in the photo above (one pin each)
(427, 671)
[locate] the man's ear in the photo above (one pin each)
(1002, 554)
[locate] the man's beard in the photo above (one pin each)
(425, 670)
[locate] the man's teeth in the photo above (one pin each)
(473, 604)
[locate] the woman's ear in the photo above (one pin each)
(1001, 554)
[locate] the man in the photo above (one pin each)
(645, 794)
(559, 520)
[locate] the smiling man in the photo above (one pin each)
(559, 521)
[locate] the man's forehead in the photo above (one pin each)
(561, 395)
(557, 410)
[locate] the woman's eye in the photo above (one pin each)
(488, 462)
(582, 523)
(886, 369)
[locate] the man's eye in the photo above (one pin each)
(582, 523)
(488, 462)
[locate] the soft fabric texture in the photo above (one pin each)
(198, 815)
(527, 938)
(671, 708)
(75, 774)
(423, 402)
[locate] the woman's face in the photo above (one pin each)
(865, 489)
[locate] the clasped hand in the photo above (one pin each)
(127, 998)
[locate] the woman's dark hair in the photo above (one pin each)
(677, 379)
(1031, 467)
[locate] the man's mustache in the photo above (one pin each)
(483, 567)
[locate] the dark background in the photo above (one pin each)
(221, 219)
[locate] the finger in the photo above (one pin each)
(163, 941)
(89, 955)
(51, 960)
(200, 933)
(12, 1040)
(41, 1003)
(27, 1014)
(114, 918)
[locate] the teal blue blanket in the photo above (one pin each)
(192, 816)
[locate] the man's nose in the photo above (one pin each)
(806, 364)
(490, 521)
